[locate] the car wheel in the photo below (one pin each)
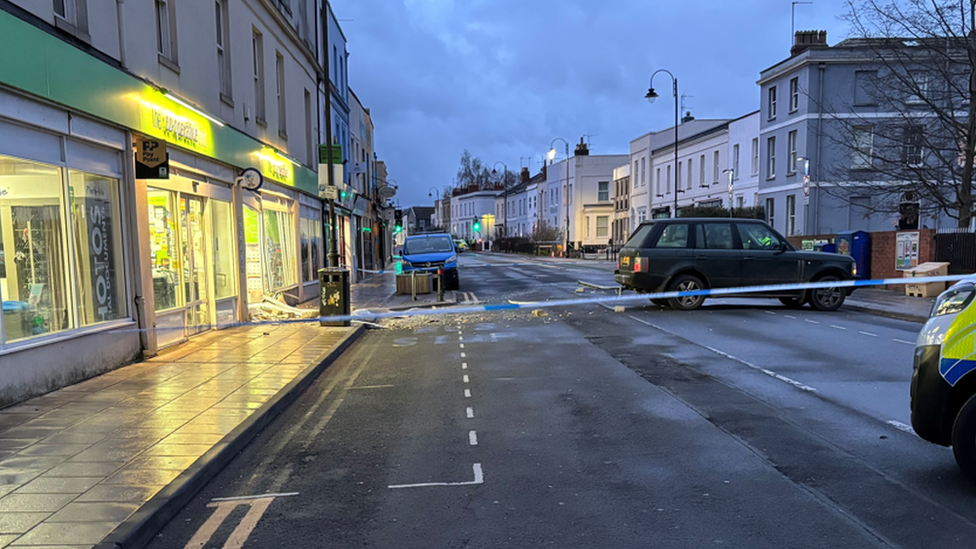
(660, 302)
(827, 299)
(686, 283)
(964, 438)
(791, 302)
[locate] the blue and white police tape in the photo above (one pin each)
(742, 291)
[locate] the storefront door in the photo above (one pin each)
(194, 264)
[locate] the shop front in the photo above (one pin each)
(98, 267)
(64, 264)
(191, 255)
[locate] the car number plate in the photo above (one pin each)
(625, 261)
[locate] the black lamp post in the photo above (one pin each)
(651, 96)
(505, 184)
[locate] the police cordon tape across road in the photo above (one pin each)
(363, 314)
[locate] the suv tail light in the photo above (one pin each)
(638, 264)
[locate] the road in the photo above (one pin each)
(742, 424)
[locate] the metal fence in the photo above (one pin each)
(958, 249)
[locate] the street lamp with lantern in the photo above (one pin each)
(552, 156)
(651, 96)
(806, 189)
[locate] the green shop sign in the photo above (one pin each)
(42, 65)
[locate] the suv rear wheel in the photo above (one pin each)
(827, 299)
(964, 438)
(686, 283)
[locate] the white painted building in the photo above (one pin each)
(468, 208)
(744, 159)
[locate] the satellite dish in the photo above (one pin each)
(387, 193)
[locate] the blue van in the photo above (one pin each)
(430, 252)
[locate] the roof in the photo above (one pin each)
(422, 211)
(690, 133)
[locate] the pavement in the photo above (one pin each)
(112, 457)
(741, 424)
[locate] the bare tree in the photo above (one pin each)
(544, 232)
(909, 136)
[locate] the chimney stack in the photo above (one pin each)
(582, 149)
(807, 40)
(687, 117)
(525, 175)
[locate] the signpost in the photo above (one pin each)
(152, 160)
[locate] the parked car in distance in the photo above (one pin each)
(687, 254)
(430, 253)
(944, 375)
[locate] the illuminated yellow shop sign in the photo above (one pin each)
(276, 166)
(166, 119)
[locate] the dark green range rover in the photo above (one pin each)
(687, 254)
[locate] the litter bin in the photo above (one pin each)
(930, 289)
(334, 295)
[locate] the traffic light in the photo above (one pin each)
(477, 224)
(398, 221)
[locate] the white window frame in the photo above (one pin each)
(791, 138)
(165, 15)
(755, 156)
(599, 192)
(280, 95)
(716, 172)
(257, 61)
(658, 182)
(735, 161)
(770, 211)
(863, 149)
(922, 81)
(771, 157)
(222, 32)
(771, 105)
(790, 215)
(668, 182)
(794, 94)
(72, 14)
(701, 171)
(690, 171)
(643, 171)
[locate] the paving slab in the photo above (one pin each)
(104, 460)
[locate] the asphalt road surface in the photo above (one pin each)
(743, 424)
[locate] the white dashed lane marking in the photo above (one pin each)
(462, 345)
(837, 327)
(790, 317)
(467, 393)
(811, 321)
(464, 355)
(472, 438)
(464, 365)
(869, 334)
(769, 312)
(470, 412)
(896, 340)
(465, 379)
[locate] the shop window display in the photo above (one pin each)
(95, 216)
(164, 250)
(224, 259)
(33, 253)
(279, 254)
(252, 255)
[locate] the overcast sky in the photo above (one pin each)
(503, 78)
